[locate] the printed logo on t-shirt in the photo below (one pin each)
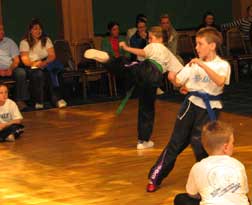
(5, 116)
(223, 180)
(199, 78)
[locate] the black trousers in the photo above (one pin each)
(185, 199)
(40, 82)
(146, 112)
(146, 77)
(15, 129)
(21, 86)
(187, 130)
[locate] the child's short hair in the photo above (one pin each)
(215, 134)
(211, 34)
(158, 32)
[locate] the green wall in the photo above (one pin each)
(184, 14)
(17, 15)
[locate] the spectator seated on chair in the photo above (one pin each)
(140, 38)
(172, 36)
(9, 68)
(208, 20)
(133, 30)
(244, 24)
(37, 53)
(110, 44)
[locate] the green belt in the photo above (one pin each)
(125, 100)
(129, 93)
(159, 67)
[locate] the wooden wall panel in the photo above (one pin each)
(1, 18)
(244, 5)
(59, 11)
(78, 21)
(240, 8)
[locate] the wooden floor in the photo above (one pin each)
(87, 155)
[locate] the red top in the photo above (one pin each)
(115, 46)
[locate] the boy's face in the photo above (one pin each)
(204, 49)
(229, 147)
(3, 94)
(154, 39)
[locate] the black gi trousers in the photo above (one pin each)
(146, 77)
(187, 130)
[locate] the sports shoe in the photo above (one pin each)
(39, 106)
(151, 187)
(10, 138)
(61, 103)
(97, 55)
(145, 144)
(159, 92)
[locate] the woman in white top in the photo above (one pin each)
(37, 53)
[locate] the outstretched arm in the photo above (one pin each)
(172, 77)
(136, 51)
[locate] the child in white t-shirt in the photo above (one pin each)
(10, 117)
(218, 179)
(203, 80)
(147, 75)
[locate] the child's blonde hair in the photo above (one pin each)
(211, 34)
(158, 32)
(215, 134)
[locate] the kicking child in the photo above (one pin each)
(219, 178)
(147, 75)
(203, 79)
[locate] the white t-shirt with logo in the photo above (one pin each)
(162, 55)
(196, 79)
(9, 111)
(220, 180)
(37, 52)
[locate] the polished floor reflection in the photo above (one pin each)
(86, 155)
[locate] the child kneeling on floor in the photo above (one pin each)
(218, 179)
(10, 117)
